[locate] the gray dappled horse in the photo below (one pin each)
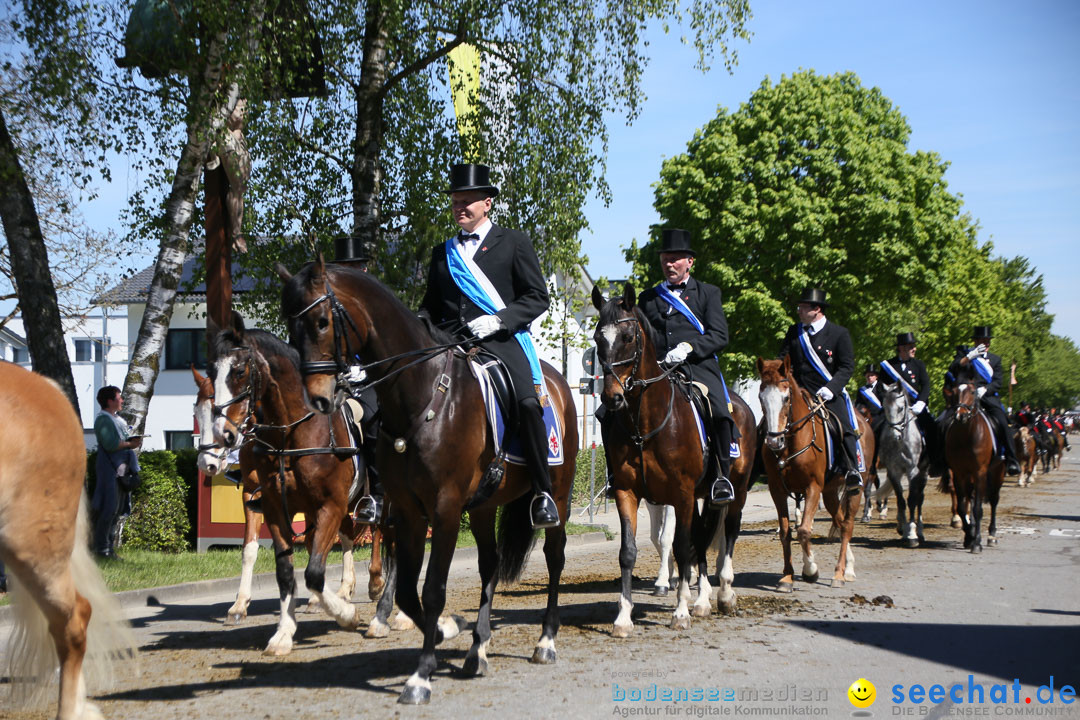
(902, 454)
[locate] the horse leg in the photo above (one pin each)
(979, 485)
(344, 613)
(348, 568)
(779, 496)
(482, 523)
(627, 504)
(252, 524)
(897, 483)
(378, 627)
(282, 641)
(662, 533)
(376, 581)
(707, 525)
(881, 499)
(409, 539)
(726, 599)
(444, 532)
(916, 497)
(868, 490)
(842, 512)
(555, 553)
(806, 531)
(995, 480)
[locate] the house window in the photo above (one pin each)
(184, 347)
(179, 440)
(20, 355)
(87, 350)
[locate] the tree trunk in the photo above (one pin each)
(30, 267)
(204, 121)
(367, 145)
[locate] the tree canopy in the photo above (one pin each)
(811, 183)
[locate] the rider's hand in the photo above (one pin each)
(981, 391)
(918, 407)
(485, 325)
(825, 393)
(678, 353)
(976, 352)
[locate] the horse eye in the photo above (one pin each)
(323, 323)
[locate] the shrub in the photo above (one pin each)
(159, 517)
(580, 494)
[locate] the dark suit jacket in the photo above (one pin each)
(990, 397)
(875, 411)
(833, 346)
(509, 261)
(705, 302)
(915, 373)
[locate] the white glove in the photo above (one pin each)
(678, 353)
(918, 407)
(357, 374)
(976, 352)
(485, 325)
(825, 394)
(981, 391)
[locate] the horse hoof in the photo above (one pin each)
(543, 656)
(474, 666)
(402, 622)
(956, 523)
(976, 549)
(811, 578)
(235, 618)
(375, 590)
(277, 650)
(837, 583)
(659, 591)
(377, 630)
(992, 542)
(911, 542)
(415, 695)
(785, 587)
(621, 631)
(680, 623)
(727, 608)
(701, 611)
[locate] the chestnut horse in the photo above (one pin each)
(977, 472)
(1025, 454)
(44, 542)
(303, 462)
(795, 458)
(435, 448)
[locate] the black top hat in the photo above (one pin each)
(813, 296)
(981, 331)
(467, 176)
(871, 368)
(905, 339)
(674, 240)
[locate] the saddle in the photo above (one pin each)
(352, 411)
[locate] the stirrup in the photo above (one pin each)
(721, 493)
(853, 480)
(369, 510)
(543, 514)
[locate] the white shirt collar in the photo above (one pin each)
(818, 324)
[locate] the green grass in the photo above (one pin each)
(140, 569)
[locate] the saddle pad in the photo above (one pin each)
(496, 415)
(699, 422)
(830, 451)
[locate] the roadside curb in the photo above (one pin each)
(267, 582)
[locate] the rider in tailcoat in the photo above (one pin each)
(869, 398)
(830, 353)
(907, 369)
(508, 265)
(984, 369)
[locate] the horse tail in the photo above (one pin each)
(945, 483)
(515, 538)
(31, 652)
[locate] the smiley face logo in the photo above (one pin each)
(862, 693)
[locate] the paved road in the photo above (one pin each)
(951, 618)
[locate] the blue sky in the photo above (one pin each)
(993, 87)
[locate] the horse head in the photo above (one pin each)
(624, 344)
(211, 453)
(895, 403)
(775, 396)
(966, 399)
(235, 373)
(327, 336)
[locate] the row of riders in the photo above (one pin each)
(674, 433)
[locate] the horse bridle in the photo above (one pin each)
(793, 426)
(248, 394)
(902, 425)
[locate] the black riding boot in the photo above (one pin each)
(369, 509)
(852, 478)
(1012, 465)
(543, 511)
(721, 492)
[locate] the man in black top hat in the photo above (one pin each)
(910, 372)
(869, 399)
(504, 264)
(984, 369)
(822, 360)
(689, 315)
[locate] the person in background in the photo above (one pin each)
(115, 457)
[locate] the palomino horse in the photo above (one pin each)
(902, 452)
(303, 462)
(796, 461)
(1025, 454)
(435, 450)
(44, 542)
(977, 473)
(651, 443)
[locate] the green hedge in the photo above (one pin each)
(580, 494)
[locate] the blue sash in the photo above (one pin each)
(870, 397)
(982, 366)
(892, 372)
(465, 275)
(815, 362)
(677, 302)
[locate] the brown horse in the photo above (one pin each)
(1025, 454)
(651, 444)
(795, 458)
(44, 542)
(303, 462)
(977, 473)
(435, 449)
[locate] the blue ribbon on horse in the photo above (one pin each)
(472, 288)
(815, 362)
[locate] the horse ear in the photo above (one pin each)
(597, 298)
(200, 379)
(238, 323)
(760, 366)
(787, 366)
(283, 272)
(319, 270)
(629, 295)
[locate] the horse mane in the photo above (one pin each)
(266, 342)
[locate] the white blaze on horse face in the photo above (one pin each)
(210, 461)
(609, 333)
(222, 395)
(772, 400)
